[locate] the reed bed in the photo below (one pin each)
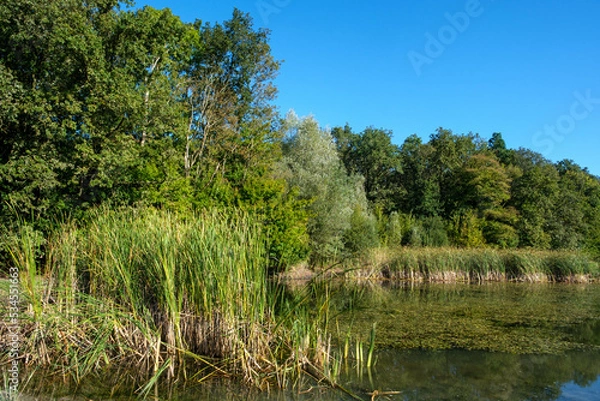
(480, 264)
(161, 297)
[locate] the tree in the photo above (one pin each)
(450, 154)
(577, 210)
(534, 195)
(497, 145)
(312, 166)
(422, 189)
(483, 185)
(230, 128)
(372, 155)
(53, 57)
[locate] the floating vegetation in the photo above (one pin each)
(520, 318)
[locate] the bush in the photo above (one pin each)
(434, 232)
(362, 234)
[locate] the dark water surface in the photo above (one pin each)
(506, 341)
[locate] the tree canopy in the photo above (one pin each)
(106, 104)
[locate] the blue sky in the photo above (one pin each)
(528, 69)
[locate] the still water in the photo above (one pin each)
(506, 341)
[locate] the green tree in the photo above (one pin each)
(373, 155)
(483, 186)
(576, 212)
(230, 134)
(534, 194)
(497, 145)
(311, 165)
(53, 57)
(450, 154)
(422, 188)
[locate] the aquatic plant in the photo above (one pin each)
(162, 297)
(449, 264)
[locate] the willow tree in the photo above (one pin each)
(311, 165)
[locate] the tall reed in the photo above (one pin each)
(481, 264)
(165, 296)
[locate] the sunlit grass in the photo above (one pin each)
(164, 298)
(477, 265)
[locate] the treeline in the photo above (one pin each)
(104, 104)
(466, 191)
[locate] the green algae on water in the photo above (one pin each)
(499, 317)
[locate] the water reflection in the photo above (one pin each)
(469, 375)
(426, 375)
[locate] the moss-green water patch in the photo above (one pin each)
(500, 317)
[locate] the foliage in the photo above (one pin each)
(156, 294)
(124, 107)
(372, 155)
(362, 234)
(106, 104)
(312, 166)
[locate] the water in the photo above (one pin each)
(470, 375)
(452, 342)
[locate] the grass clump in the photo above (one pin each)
(161, 297)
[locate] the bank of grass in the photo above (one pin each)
(161, 298)
(477, 265)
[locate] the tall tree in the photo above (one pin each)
(311, 165)
(534, 195)
(231, 118)
(483, 187)
(422, 196)
(52, 56)
(373, 155)
(450, 154)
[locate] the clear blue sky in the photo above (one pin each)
(528, 69)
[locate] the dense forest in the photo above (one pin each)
(104, 104)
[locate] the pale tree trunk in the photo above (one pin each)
(147, 101)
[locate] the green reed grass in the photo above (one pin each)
(483, 264)
(166, 297)
(23, 247)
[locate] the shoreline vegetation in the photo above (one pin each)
(169, 298)
(161, 299)
(450, 265)
(151, 191)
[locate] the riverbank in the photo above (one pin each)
(168, 299)
(153, 298)
(449, 265)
